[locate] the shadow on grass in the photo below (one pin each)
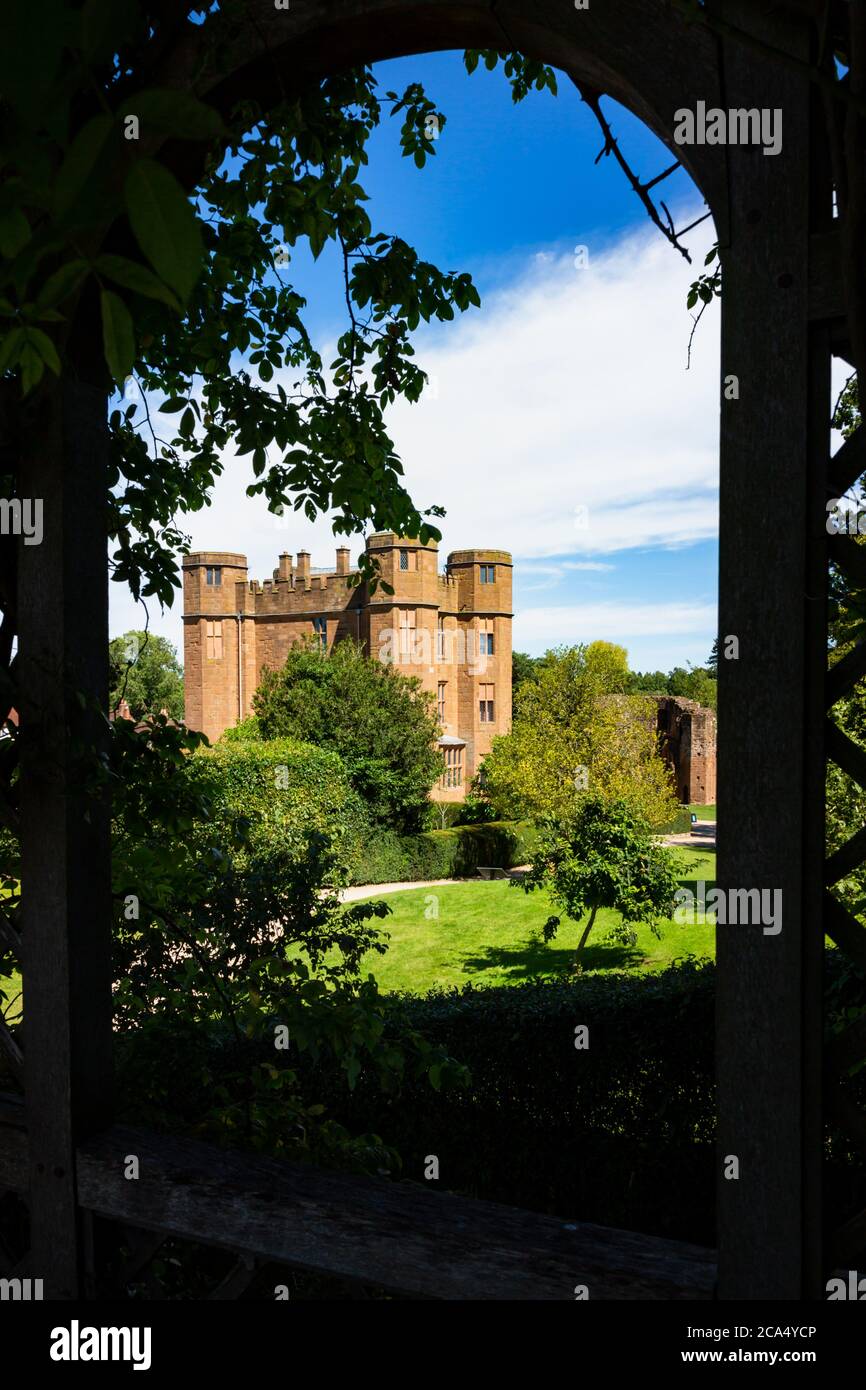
(532, 958)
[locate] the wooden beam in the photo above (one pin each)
(847, 754)
(12, 1052)
(844, 929)
(774, 442)
(844, 674)
(847, 464)
(826, 291)
(65, 901)
(398, 1236)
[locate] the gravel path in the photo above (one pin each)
(372, 890)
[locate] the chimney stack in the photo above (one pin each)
(285, 569)
(343, 555)
(303, 565)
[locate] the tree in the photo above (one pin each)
(603, 855)
(523, 668)
(648, 682)
(696, 683)
(571, 735)
(607, 664)
(692, 683)
(380, 722)
(146, 673)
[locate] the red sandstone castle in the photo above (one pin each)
(451, 630)
(687, 742)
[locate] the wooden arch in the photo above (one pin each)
(782, 316)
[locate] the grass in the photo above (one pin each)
(490, 934)
(10, 987)
(703, 812)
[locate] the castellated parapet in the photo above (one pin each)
(452, 631)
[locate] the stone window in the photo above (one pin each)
(488, 574)
(407, 633)
(404, 559)
(485, 637)
(320, 628)
(453, 768)
(485, 703)
(440, 700)
(214, 641)
(213, 575)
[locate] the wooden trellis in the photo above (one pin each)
(783, 317)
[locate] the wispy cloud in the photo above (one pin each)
(614, 621)
(561, 425)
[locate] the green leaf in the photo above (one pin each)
(14, 232)
(10, 348)
(117, 335)
(45, 348)
(80, 162)
(164, 224)
(32, 369)
(134, 276)
(178, 113)
(61, 284)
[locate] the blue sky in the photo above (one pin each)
(561, 423)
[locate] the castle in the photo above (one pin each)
(687, 740)
(451, 630)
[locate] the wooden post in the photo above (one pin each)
(770, 749)
(63, 679)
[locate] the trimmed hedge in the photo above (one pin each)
(455, 853)
(620, 1133)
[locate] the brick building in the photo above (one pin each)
(451, 630)
(687, 737)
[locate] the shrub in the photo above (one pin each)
(620, 1132)
(228, 927)
(455, 853)
(279, 788)
(681, 822)
(243, 732)
(381, 723)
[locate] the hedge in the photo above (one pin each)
(681, 822)
(619, 1133)
(282, 786)
(455, 853)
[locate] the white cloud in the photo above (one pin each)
(611, 621)
(566, 391)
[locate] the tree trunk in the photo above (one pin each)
(582, 942)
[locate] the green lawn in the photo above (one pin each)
(703, 812)
(10, 986)
(490, 933)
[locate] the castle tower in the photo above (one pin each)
(481, 620)
(216, 663)
(401, 626)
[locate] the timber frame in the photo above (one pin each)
(784, 315)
